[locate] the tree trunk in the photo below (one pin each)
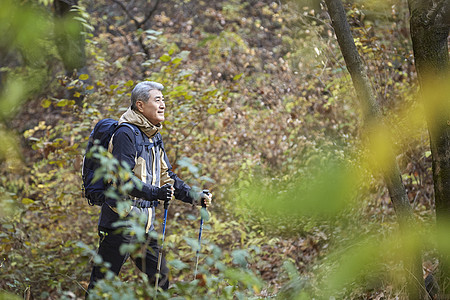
(69, 37)
(372, 116)
(430, 23)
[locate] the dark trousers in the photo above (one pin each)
(109, 245)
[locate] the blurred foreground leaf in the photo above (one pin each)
(329, 188)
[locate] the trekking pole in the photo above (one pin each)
(202, 211)
(158, 274)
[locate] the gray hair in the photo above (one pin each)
(142, 91)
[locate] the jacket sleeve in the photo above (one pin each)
(182, 190)
(124, 150)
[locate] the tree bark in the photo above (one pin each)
(69, 36)
(430, 23)
(372, 115)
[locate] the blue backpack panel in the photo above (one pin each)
(101, 135)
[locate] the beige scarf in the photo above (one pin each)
(138, 119)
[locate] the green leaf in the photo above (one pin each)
(236, 77)
(118, 64)
(213, 110)
(173, 49)
(27, 201)
(88, 27)
(206, 40)
(193, 243)
(46, 103)
(98, 259)
(165, 58)
(178, 264)
(10, 296)
(83, 77)
(177, 60)
(240, 257)
(153, 32)
(65, 102)
(184, 54)
(204, 213)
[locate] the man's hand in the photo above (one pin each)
(141, 203)
(205, 198)
(165, 193)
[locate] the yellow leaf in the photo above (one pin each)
(165, 58)
(83, 77)
(46, 103)
(89, 87)
(77, 94)
(236, 77)
(62, 103)
(27, 201)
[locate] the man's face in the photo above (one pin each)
(154, 108)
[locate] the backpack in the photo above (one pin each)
(93, 191)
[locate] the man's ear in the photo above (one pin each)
(139, 105)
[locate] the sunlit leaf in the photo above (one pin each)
(177, 60)
(65, 102)
(165, 58)
(236, 77)
(204, 214)
(213, 110)
(46, 103)
(27, 201)
(83, 77)
(178, 264)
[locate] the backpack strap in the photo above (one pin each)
(141, 140)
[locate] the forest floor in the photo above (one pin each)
(251, 86)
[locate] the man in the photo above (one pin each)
(154, 171)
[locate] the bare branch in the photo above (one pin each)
(150, 13)
(434, 11)
(135, 21)
(124, 8)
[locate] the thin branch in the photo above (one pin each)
(432, 14)
(122, 34)
(150, 13)
(139, 24)
(136, 22)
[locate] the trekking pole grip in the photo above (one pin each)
(203, 203)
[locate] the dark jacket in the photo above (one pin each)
(152, 168)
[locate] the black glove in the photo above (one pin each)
(143, 203)
(204, 196)
(165, 193)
